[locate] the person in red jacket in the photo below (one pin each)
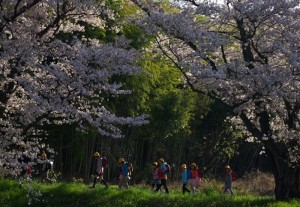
(157, 175)
(195, 177)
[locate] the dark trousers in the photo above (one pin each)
(102, 181)
(184, 189)
(158, 186)
(164, 184)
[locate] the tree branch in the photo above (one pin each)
(17, 13)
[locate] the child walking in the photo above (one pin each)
(99, 163)
(228, 180)
(157, 174)
(195, 177)
(124, 174)
(184, 178)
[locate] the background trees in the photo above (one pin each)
(245, 55)
(51, 77)
(65, 66)
(175, 116)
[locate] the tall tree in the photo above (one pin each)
(245, 55)
(49, 79)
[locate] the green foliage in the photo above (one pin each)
(92, 31)
(137, 37)
(182, 122)
(11, 195)
(64, 36)
(159, 91)
(66, 194)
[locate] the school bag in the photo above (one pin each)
(189, 174)
(160, 173)
(233, 176)
(130, 168)
(200, 174)
(168, 168)
(104, 162)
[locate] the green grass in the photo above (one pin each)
(72, 195)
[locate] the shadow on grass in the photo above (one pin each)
(11, 194)
(77, 195)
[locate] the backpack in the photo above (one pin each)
(168, 168)
(104, 162)
(233, 176)
(160, 173)
(130, 168)
(45, 166)
(189, 174)
(200, 175)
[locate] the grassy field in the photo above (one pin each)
(76, 194)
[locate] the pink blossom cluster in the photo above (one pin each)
(246, 54)
(45, 80)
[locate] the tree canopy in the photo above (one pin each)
(48, 76)
(244, 54)
(74, 64)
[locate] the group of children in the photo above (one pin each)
(192, 176)
(160, 175)
(161, 169)
(99, 164)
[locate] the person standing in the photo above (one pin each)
(98, 165)
(166, 169)
(228, 180)
(124, 174)
(184, 178)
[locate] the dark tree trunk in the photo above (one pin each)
(287, 177)
(287, 183)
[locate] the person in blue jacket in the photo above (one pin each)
(124, 174)
(185, 176)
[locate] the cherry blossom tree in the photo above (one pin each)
(245, 54)
(45, 80)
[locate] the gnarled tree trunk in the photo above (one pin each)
(287, 177)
